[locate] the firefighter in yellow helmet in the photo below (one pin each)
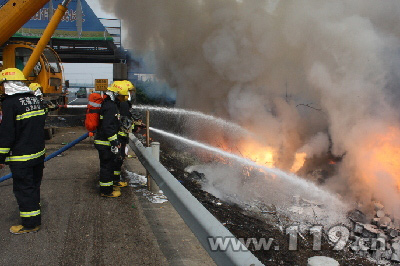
(124, 105)
(35, 86)
(130, 122)
(36, 89)
(106, 140)
(22, 146)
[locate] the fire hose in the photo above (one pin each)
(54, 154)
(73, 106)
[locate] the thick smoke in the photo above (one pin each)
(286, 70)
(316, 146)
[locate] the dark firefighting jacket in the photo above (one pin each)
(107, 132)
(22, 130)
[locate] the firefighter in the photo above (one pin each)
(36, 89)
(126, 122)
(22, 146)
(106, 139)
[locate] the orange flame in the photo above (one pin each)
(379, 156)
(145, 135)
(298, 162)
(260, 154)
(252, 150)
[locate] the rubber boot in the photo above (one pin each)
(114, 194)
(120, 184)
(20, 229)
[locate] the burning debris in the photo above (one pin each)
(376, 238)
(222, 189)
(286, 71)
(316, 146)
(265, 62)
(379, 239)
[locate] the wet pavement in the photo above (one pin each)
(81, 228)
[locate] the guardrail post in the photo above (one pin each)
(148, 145)
(155, 151)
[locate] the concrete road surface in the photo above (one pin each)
(81, 228)
(77, 101)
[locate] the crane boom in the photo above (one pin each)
(39, 63)
(15, 14)
(49, 31)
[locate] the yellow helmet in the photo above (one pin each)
(120, 87)
(11, 74)
(131, 86)
(35, 86)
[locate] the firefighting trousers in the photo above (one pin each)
(26, 187)
(118, 163)
(107, 164)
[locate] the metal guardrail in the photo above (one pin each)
(202, 223)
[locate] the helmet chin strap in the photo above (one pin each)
(111, 94)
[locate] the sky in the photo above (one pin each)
(86, 73)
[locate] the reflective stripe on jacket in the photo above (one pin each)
(22, 137)
(24, 158)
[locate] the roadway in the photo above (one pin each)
(81, 228)
(72, 100)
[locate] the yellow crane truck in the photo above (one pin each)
(39, 62)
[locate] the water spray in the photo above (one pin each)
(214, 119)
(308, 186)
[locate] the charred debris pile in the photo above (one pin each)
(263, 221)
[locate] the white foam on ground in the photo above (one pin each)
(137, 181)
(154, 198)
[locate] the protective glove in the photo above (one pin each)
(50, 106)
(115, 149)
(115, 146)
(138, 125)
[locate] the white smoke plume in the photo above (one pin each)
(316, 146)
(286, 70)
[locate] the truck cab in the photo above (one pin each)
(48, 70)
